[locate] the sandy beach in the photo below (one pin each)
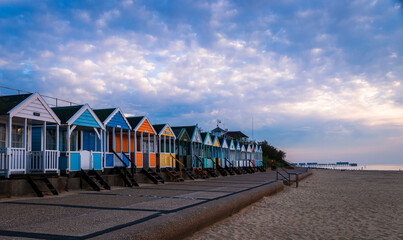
(330, 204)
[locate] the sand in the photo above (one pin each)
(330, 204)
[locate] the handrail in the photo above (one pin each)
(232, 165)
(134, 167)
(202, 163)
(119, 158)
(252, 163)
(289, 176)
(177, 160)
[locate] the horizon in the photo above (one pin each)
(322, 81)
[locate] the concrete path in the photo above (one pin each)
(146, 212)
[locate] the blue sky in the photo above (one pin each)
(321, 79)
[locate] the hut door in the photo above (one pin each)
(85, 159)
(146, 150)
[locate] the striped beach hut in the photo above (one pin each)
(145, 142)
(232, 152)
(216, 151)
(165, 146)
(196, 144)
(18, 153)
(207, 150)
(243, 158)
(117, 137)
(224, 152)
(182, 150)
(249, 154)
(80, 138)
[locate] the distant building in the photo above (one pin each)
(238, 135)
(218, 131)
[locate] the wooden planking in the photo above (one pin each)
(152, 160)
(216, 143)
(118, 121)
(86, 119)
(162, 160)
(139, 159)
(207, 140)
(224, 144)
(168, 132)
(146, 127)
(37, 107)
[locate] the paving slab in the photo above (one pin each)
(126, 213)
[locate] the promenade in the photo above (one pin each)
(167, 211)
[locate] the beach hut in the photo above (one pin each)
(196, 145)
(216, 151)
(182, 150)
(249, 155)
(117, 138)
(243, 156)
(145, 142)
(18, 154)
(207, 150)
(224, 152)
(165, 146)
(232, 152)
(238, 153)
(80, 138)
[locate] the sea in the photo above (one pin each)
(374, 167)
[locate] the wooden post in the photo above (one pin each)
(121, 140)
(174, 162)
(44, 147)
(25, 145)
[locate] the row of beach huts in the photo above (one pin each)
(38, 139)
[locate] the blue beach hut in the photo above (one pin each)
(207, 154)
(80, 138)
(117, 137)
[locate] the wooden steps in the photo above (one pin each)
(236, 170)
(211, 172)
(189, 173)
(261, 168)
(221, 170)
(41, 185)
(173, 175)
(127, 177)
(95, 180)
(152, 175)
(201, 173)
(248, 169)
(230, 170)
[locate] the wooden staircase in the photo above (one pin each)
(152, 175)
(230, 170)
(189, 173)
(242, 170)
(261, 168)
(127, 177)
(201, 173)
(174, 175)
(95, 180)
(41, 185)
(248, 169)
(221, 170)
(211, 172)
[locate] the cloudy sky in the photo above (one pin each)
(322, 80)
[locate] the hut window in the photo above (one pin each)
(172, 145)
(166, 144)
(2, 135)
(51, 139)
(162, 144)
(145, 143)
(17, 136)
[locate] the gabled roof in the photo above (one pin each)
(159, 127)
(205, 137)
(106, 115)
(68, 115)
(103, 114)
(65, 113)
(136, 122)
(216, 139)
(218, 129)
(191, 130)
(29, 106)
(9, 102)
(236, 134)
(164, 129)
(179, 132)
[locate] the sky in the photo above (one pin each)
(320, 80)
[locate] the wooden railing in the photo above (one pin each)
(40, 161)
(12, 160)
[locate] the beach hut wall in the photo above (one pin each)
(18, 114)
